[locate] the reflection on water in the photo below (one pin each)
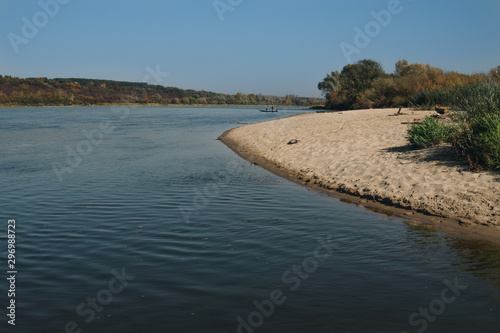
(423, 233)
(124, 207)
(481, 258)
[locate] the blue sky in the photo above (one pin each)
(261, 46)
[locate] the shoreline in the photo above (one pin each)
(265, 144)
(152, 105)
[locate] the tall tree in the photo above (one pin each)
(400, 65)
(359, 77)
(330, 83)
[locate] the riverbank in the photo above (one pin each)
(363, 157)
(158, 105)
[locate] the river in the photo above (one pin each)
(140, 220)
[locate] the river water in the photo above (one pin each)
(139, 220)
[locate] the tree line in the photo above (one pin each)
(365, 85)
(77, 91)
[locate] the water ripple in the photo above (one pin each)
(123, 207)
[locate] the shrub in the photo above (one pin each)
(480, 99)
(431, 132)
(429, 98)
(363, 102)
(479, 142)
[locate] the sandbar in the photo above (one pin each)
(363, 157)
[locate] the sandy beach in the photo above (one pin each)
(363, 157)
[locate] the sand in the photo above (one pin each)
(365, 155)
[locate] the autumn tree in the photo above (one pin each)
(495, 73)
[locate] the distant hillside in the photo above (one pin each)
(73, 91)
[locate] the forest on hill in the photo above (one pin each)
(365, 85)
(76, 91)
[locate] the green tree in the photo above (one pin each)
(357, 78)
(350, 88)
(400, 65)
(329, 83)
(239, 98)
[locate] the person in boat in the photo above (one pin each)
(272, 108)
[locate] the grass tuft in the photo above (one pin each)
(431, 132)
(476, 138)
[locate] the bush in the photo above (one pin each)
(431, 132)
(479, 100)
(362, 102)
(429, 98)
(479, 142)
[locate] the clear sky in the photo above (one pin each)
(252, 46)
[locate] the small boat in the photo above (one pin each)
(272, 110)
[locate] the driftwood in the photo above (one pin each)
(399, 113)
(441, 109)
